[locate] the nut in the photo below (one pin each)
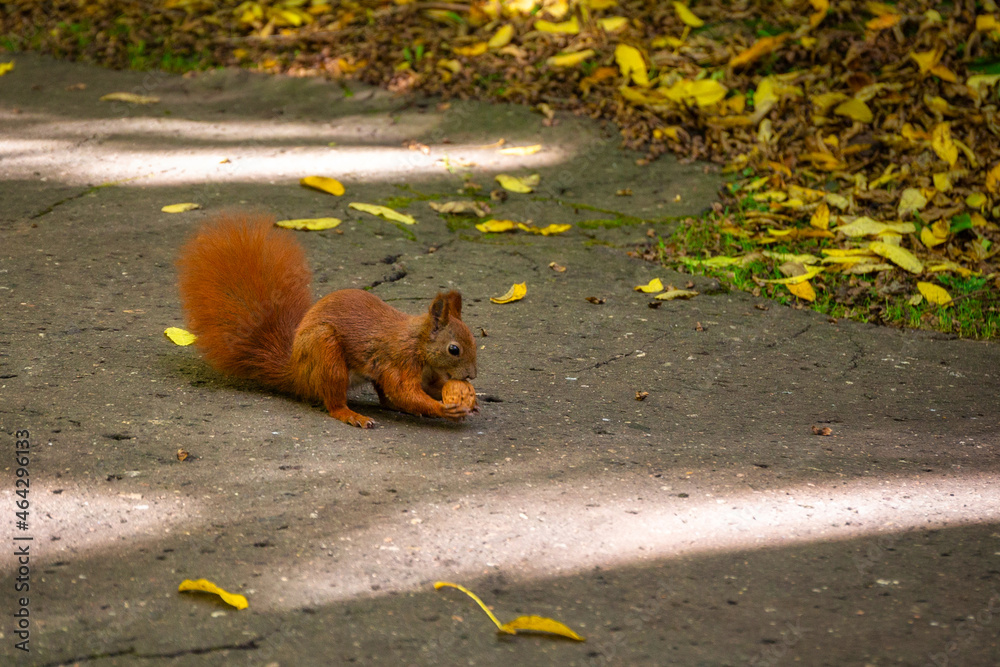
(459, 392)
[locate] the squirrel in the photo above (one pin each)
(244, 286)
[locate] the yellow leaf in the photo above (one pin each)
(501, 37)
(826, 100)
(949, 265)
(477, 49)
(514, 184)
(884, 21)
(384, 212)
(687, 16)
(976, 200)
(901, 257)
(821, 217)
(672, 294)
(570, 27)
(791, 257)
(654, 285)
(761, 47)
(846, 252)
(942, 181)
(987, 22)
(521, 150)
(179, 336)
(943, 144)
(323, 184)
(309, 224)
(802, 290)
(927, 59)
(496, 226)
(942, 72)
(631, 64)
(993, 179)
(613, 23)
(719, 261)
(935, 234)
(180, 208)
(865, 226)
(548, 230)
(539, 624)
(854, 109)
(569, 59)
(911, 200)
(811, 272)
(206, 586)
(6, 67)
(515, 293)
(705, 92)
(934, 293)
(131, 98)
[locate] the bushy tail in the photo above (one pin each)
(244, 287)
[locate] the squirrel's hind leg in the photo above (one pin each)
(322, 373)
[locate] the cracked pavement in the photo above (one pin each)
(704, 525)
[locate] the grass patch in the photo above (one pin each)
(886, 297)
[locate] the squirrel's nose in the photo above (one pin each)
(471, 374)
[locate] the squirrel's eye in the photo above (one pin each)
(453, 350)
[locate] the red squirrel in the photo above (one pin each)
(244, 285)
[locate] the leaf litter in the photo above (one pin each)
(822, 114)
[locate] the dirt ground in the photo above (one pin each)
(705, 525)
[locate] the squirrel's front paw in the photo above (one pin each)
(455, 411)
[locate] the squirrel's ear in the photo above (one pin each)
(454, 303)
(440, 311)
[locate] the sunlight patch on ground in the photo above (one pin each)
(541, 532)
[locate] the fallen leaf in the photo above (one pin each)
(472, 50)
(824, 430)
(687, 16)
(899, 256)
(810, 272)
(632, 65)
(761, 47)
(131, 98)
(641, 395)
(943, 144)
(180, 208)
(612, 23)
(496, 226)
(548, 230)
(654, 285)
(911, 200)
(855, 109)
(934, 293)
(384, 212)
(527, 623)
(935, 234)
(558, 268)
(309, 224)
(521, 150)
(323, 184)
(672, 294)
(514, 184)
(571, 59)
(803, 290)
(596, 300)
(179, 336)
(501, 37)
(476, 208)
(6, 67)
(515, 293)
(821, 217)
(570, 27)
(206, 586)
(865, 226)
(539, 624)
